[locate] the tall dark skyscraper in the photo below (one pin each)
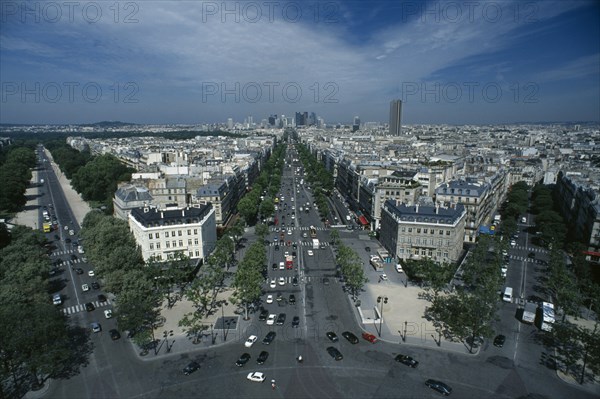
(396, 117)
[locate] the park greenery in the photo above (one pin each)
(351, 269)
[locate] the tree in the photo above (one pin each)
(170, 276)
(335, 237)
(261, 230)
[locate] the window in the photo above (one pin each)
(423, 252)
(195, 231)
(401, 251)
(189, 232)
(440, 241)
(445, 254)
(151, 245)
(174, 244)
(441, 232)
(173, 233)
(167, 244)
(181, 243)
(418, 241)
(447, 232)
(189, 242)
(432, 231)
(156, 235)
(179, 233)
(410, 229)
(418, 231)
(404, 229)
(190, 254)
(195, 241)
(150, 236)
(158, 245)
(197, 253)
(424, 231)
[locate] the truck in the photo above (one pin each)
(289, 261)
(376, 263)
(315, 243)
(529, 312)
(313, 232)
(47, 227)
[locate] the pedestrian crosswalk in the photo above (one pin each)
(303, 280)
(301, 228)
(531, 249)
(81, 307)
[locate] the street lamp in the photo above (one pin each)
(166, 335)
(223, 320)
(381, 300)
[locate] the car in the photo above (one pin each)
(513, 243)
(531, 255)
(304, 235)
(271, 319)
(280, 319)
(407, 360)
(332, 336)
(499, 340)
(503, 270)
(269, 337)
(79, 270)
(67, 240)
(273, 283)
(325, 281)
(102, 298)
(292, 299)
(295, 246)
(85, 287)
(353, 339)
(274, 266)
(295, 321)
(276, 247)
(369, 337)
(191, 367)
(250, 341)
(96, 327)
(281, 265)
(383, 277)
(309, 252)
(289, 232)
(269, 298)
(281, 281)
(295, 281)
(263, 315)
(368, 249)
(71, 232)
(275, 239)
(114, 334)
(108, 313)
(262, 357)
(334, 353)
(439, 386)
(90, 307)
(256, 376)
(74, 258)
(95, 285)
(243, 359)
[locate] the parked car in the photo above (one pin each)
(407, 360)
(332, 336)
(256, 376)
(335, 353)
(269, 337)
(292, 299)
(353, 339)
(281, 319)
(499, 340)
(95, 285)
(108, 313)
(262, 357)
(85, 287)
(114, 334)
(263, 315)
(96, 327)
(243, 359)
(90, 307)
(269, 298)
(439, 386)
(295, 321)
(369, 337)
(250, 341)
(101, 298)
(190, 368)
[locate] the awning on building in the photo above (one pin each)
(363, 220)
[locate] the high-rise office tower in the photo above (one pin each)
(230, 123)
(396, 117)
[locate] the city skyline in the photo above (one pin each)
(449, 62)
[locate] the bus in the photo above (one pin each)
(547, 316)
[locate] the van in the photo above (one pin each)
(507, 296)
(56, 299)
(399, 268)
(523, 219)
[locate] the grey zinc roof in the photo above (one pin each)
(155, 217)
(425, 214)
(461, 187)
(133, 193)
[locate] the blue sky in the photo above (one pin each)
(191, 62)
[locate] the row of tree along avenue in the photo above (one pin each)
(319, 179)
(16, 162)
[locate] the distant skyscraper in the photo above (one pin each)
(396, 117)
(299, 119)
(230, 123)
(356, 120)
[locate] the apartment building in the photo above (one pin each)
(418, 232)
(161, 233)
(128, 197)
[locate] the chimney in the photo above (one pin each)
(437, 208)
(183, 212)
(417, 208)
(162, 215)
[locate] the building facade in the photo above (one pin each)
(162, 233)
(396, 117)
(418, 232)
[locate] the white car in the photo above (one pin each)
(91, 273)
(256, 376)
(293, 217)
(309, 252)
(271, 319)
(304, 235)
(513, 243)
(108, 313)
(250, 341)
(71, 232)
(273, 283)
(281, 266)
(289, 232)
(281, 281)
(85, 287)
(384, 277)
(503, 270)
(269, 298)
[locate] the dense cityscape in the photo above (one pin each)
(300, 200)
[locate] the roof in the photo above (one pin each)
(153, 217)
(130, 193)
(425, 214)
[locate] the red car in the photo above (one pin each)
(369, 337)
